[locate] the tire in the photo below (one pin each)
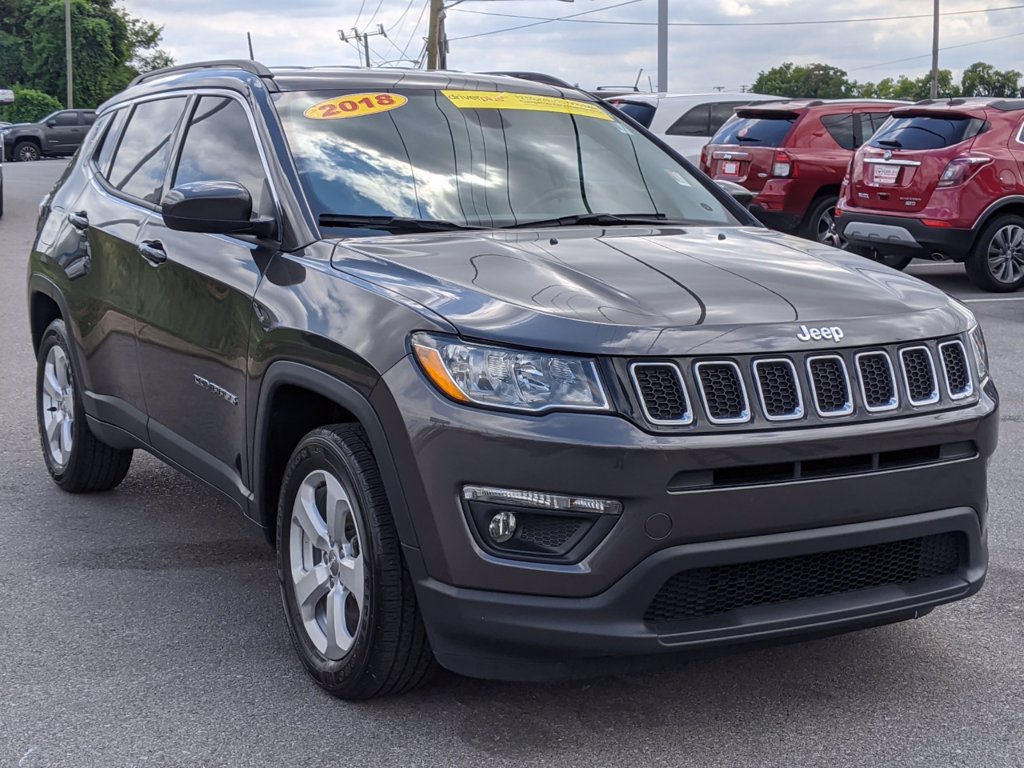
(820, 224)
(996, 262)
(27, 151)
(76, 460)
(354, 650)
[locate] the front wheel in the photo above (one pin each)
(348, 597)
(77, 461)
(996, 263)
(26, 151)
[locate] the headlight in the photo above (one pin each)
(980, 351)
(509, 378)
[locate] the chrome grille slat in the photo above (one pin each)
(662, 393)
(919, 375)
(955, 370)
(723, 392)
(877, 381)
(778, 389)
(830, 385)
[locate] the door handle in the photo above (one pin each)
(79, 220)
(153, 252)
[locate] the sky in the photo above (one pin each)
(715, 43)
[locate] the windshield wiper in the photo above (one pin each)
(389, 223)
(890, 143)
(606, 219)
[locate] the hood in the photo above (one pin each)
(643, 290)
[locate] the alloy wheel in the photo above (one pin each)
(58, 405)
(327, 566)
(826, 231)
(1006, 254)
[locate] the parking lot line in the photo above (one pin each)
(995, 298)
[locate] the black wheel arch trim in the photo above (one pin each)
(994, 210)
(286, 372)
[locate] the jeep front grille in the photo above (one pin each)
(877, 382)
(723, 392)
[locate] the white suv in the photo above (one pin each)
(685, 121)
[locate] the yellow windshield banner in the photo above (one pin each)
(526, 101)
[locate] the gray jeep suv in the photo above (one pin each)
(508, 384)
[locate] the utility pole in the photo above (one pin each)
(248, 36)
(663, 46)
(67, 46)
(435, 34)
(935, 51)
(362, 37)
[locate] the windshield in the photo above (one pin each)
(480, 159)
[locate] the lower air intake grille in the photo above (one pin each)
(711, 591)
(722, 390)
(662, 393)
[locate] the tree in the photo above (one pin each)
(29, 106)
(110, 47)
(911, 90)
(814, 81)
(981, 79)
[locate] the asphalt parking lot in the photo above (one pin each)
(143, 627)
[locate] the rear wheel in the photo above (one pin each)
(26, 151)
(348, 597)
(821, 223)
(996, 263)
(75, 458)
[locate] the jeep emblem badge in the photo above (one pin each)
(830, 332)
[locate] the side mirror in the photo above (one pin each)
(740, 194)
(6, 96)
(51, 123)
(213, 207)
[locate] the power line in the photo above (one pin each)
(807, 22)
(405, 48)
(358, 15)
(394, 26)
(538, 23)
(944, 48)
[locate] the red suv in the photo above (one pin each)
(794, 155)
(943, 180)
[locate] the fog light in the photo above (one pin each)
(502, 527)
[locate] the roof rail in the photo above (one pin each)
(246, 65)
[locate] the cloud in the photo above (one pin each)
(700, 58)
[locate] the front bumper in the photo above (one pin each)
(520, 637)
(489, 615)
(904, 236)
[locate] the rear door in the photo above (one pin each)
(899, 167)
(743, 150)
(196, 305)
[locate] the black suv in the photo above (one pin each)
(509, 387)
(56, 135)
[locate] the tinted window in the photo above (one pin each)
(642, 113)
(438, 156)
(109, 143)
(756, 131)
(141, 161)
(695, 122)
(840, 128)
(921, 132)
(89, 118)
(220, 146)
(877, 120)
(720, 112)
(66, 118)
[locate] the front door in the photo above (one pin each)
(196, 307)
(64, 133)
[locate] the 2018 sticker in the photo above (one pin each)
(526, 101)
(355, 105)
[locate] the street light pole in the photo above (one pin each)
(935, 52)
(663, 45)
(67, 46)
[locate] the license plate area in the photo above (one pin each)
(731, 168)
(884, 174)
